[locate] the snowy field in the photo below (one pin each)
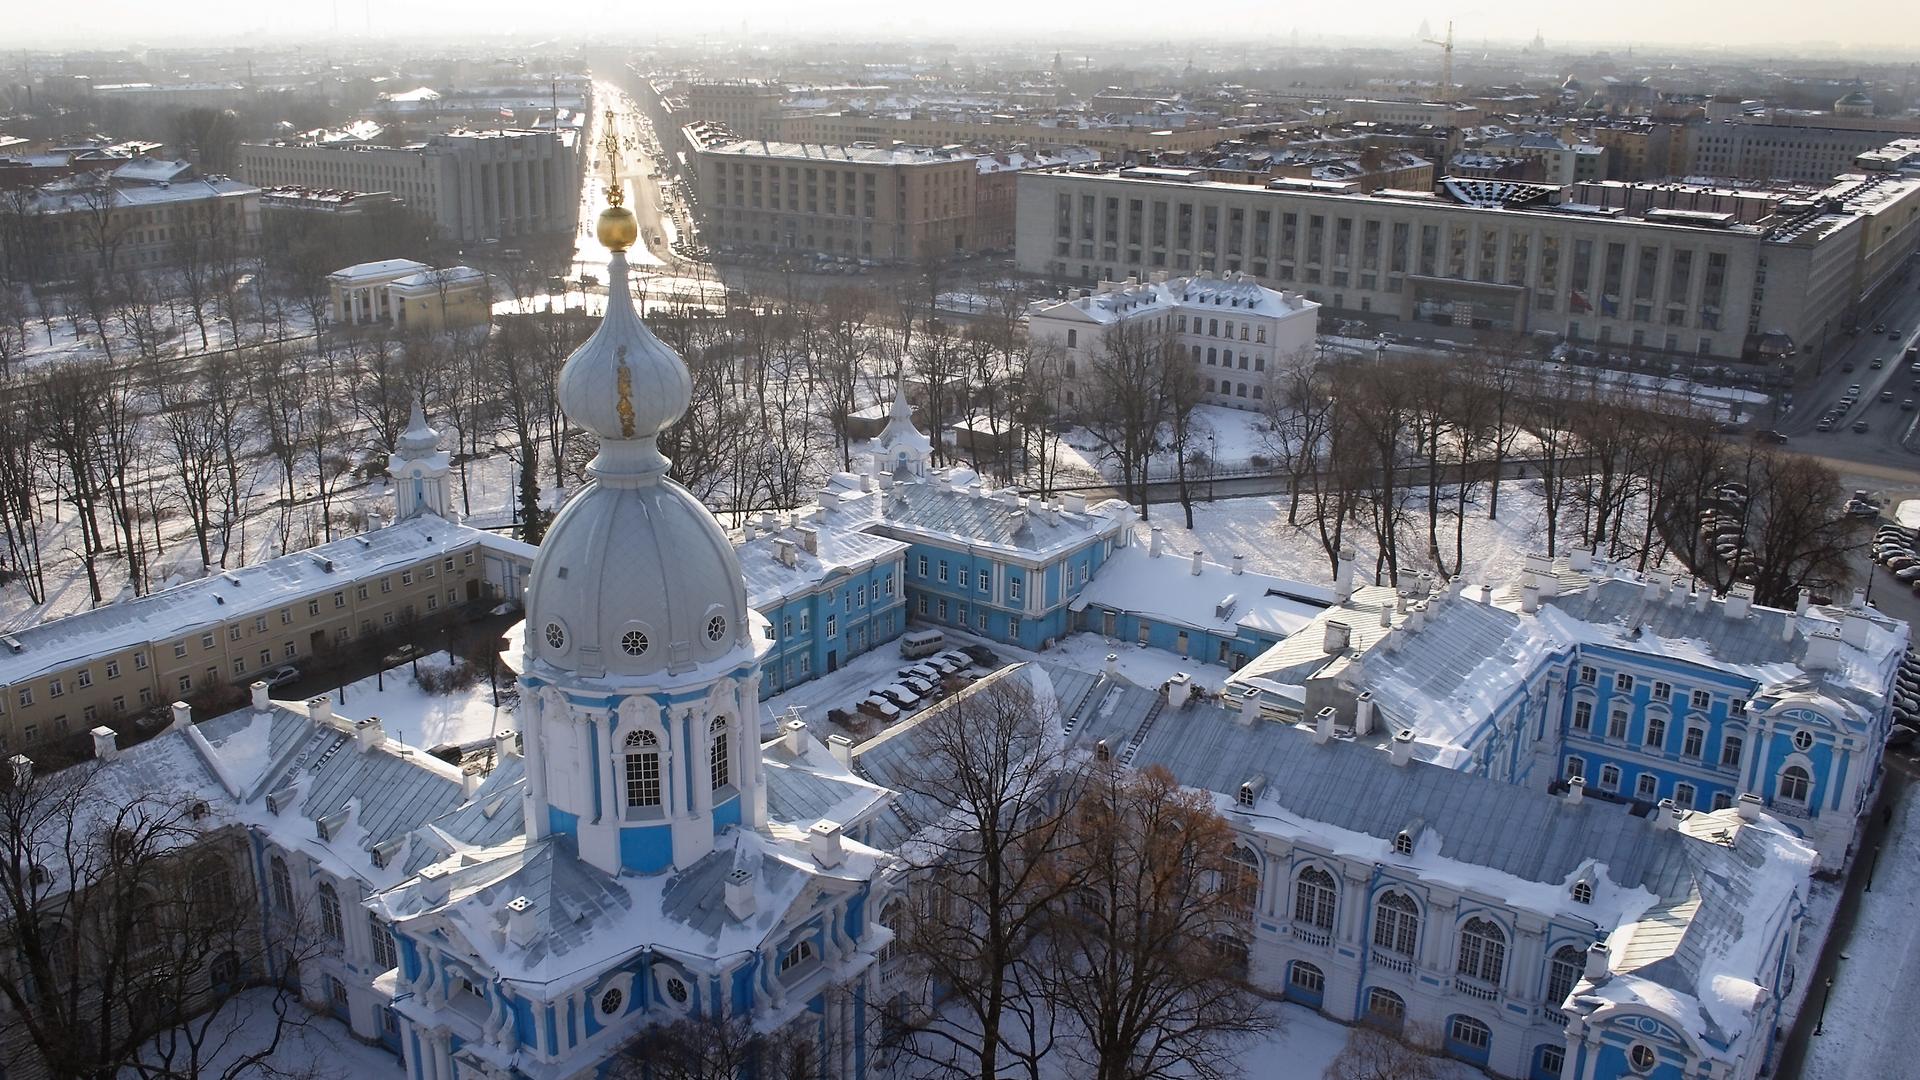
(319, 1048)
(420, 718)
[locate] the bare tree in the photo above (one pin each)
(1127, 400)
(708, 1047)
(1795, 530)
(132, 926)
(1147, 958)
(1373, 1052)
(983, 803)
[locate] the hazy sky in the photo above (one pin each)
(1879, 27)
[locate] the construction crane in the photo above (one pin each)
(1446, 62)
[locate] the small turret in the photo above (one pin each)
(419, 469)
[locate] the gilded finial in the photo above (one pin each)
(617, 228)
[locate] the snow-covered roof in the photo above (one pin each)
(947, 509)
(771, 581)
(232, 594)
(382, 270)
(59, 199)
(1166, 589)
(431, 280)
(1115, 301)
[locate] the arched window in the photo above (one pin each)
(1469, 1037)
(282, 884)
(212, 886)
(1403, 844)
(1386, 1008)
(1562, 972)
(329, 910)
(1582, 893)
(717, 757)
(1483, 951)
(1794, 784)
(1396, 924)
(1307, 977)
(643, 769)
(1242, 880)
(1313, 898)
(1656, 732)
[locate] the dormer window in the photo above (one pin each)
(1403, 844)
(1582, 893)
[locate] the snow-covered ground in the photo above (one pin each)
(1879, 971)
(420, 718)
(315, 1047)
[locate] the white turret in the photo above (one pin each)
(419, 469)
(641, 682)
(902, 448)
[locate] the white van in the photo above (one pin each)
(918, 643)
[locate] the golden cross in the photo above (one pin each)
(610, 145)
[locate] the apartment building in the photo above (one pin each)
(896, 204)
(473, 185)
(750, 109)
(1771, 151)
(1052, 131)
(1494, 254)
(99, 224)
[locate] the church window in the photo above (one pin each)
(611, 1001)
(329, 910)
(556, 636)
(1313, 898)
(1403, 844)
(1565, 970)
(716, 628)
(677, 990)
(717, 758)
(1642, 1058)
(383, 950)
(633, 643)
(798, 954)
(1582, 893)
(1242, 880)
(282, 884)
(1794, 784)
(1396, 924)
(1483, 951)
(1803, 740)
(643, 769)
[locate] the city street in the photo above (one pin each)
(642, 193)
(1889, 428)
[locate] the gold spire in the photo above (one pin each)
(617, 228)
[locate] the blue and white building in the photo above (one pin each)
(828, 594)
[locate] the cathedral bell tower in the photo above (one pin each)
(419, 469)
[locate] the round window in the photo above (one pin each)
(716, 628)
(556, 636)
(633, 643)
(1803, 740)
(1642, 1057)
(610, 1001)
(677, 990)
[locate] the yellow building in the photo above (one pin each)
(406, 294)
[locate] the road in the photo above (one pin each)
(642, 193)
(1889, 428)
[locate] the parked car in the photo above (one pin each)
(1908, 573)
(880, 708)
(921, 687)
(1770, 436)
(1825, 424)
(281, 676)
(1859, 427)
(1853, 391)
(899, 695)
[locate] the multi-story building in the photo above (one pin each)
(751, 110)
(107, 665)
(1001, 131)
(294, 200)
(97, 224)
(1771, 151)
(828, 594)
(1493, 254)
(1239, 335)
(473, 185)
(897, 204)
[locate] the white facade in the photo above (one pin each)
(1239, 335)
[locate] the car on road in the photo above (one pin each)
(1853, 390)
(1770, 436)
(1886, 395)
(1893, 335)
(1909, 574)
(1906, 404)
(1859, 427)
(1826, 424)
(281, 676)
(1879, 328)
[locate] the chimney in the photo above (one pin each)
(823, 841)
(739, 896)
(1386, 614)
(1823, 651)
(521, 925)
(104, 745)
(1702, 599)
(1576, 789)
(1074, 503)
(1323, 725)
(1599, 963)
(1677, 591)
(1179, 689)
(1805, 601)
(1747, 806)
(1738, 603)
(1530, 596)
(320, 709)
(1239, 564)
(1363, 713)
(1199, 561)
(469, 782)
(809, 539)
(786, 550)
(1486, 592)
(842, 749)
(1657, 589)
(1339, 636)
(1343, 575)
(434, 883)
(1402, 750)
(368, 734)
(1417, 616)
(794, 734)
(22, 770)
(506, 744)
(1787, 625)
(1580, 560)
(182, 716)
(1859, 599)
(1113, 665)
(1854, 626)
(260, 702)
(1156, 543)
(746, 533)
(1663, 815)
(1541, 567)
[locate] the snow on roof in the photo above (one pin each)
(770, 581)
(1114, 301)
(1165, 589)
(233, 594)
(941, 510)
(151, 170)
(71, 198)
(434, 279)
(385, 269)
